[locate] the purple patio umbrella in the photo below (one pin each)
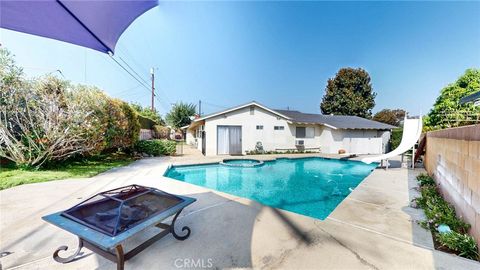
(93, 24)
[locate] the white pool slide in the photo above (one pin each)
(412, 129)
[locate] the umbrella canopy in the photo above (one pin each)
(93, 24)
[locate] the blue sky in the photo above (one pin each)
(277, 53)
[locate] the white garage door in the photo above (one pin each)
(363, 145)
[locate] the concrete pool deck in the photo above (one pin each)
(373, 228)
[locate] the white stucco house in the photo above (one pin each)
(239, 129)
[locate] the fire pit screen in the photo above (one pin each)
(115, 211)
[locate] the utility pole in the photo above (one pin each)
(152, 73)
(200, 108)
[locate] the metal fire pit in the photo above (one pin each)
(104, 222)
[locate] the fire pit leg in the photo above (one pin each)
(120, 257)
(69, 258)
(184, 228)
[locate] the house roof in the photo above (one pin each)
(337, 121)
(253, 103)
(333, 121)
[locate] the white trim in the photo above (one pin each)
(253, 103)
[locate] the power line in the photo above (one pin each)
(213, 105)
(142, 82)
(121, 59)
(126, 70)
(135, 62)
(129, 89)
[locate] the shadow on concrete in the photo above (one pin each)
(294, 229)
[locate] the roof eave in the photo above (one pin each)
(253, 103)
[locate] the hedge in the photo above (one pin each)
(396, 138)
(156, 147)
(145, 122)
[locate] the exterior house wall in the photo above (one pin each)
(453, 159)
(327, 139)
(332, 140)
(385, 135)
(270, 138)
(190, 137)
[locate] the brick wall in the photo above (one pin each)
(453, 158)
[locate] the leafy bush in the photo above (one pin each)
(447, 111)
(156, 147)
(161, 132)
(94, 101)
(396, 137)
(42, 120)
(49, 119)
(463, 244)
(425, 179)
(438, 211)
(123, 126)
(148, 113)
(146, 122)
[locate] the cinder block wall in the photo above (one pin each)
(453, 159)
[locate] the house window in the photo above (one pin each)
(300, 132)
(310, 132)
(305, 132)
(278, 127)
(252, 110)
(259, 127)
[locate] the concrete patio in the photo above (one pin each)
(373, 228)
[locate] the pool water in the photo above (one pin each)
(307, 186)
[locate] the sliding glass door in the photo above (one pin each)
(229, 140)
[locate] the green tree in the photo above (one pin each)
(148, 113)
(349, 93)
(11, 75)
(447, 111)
(391, 117)
(180, 114)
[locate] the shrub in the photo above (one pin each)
(425, 179)
(447, 110)
(95, 101)
(438, 211)
(146, 122)
(463, 244)
(396, 137)
(161, 132)
(156, 147)
(122, 125)
(41, 121)
(148, 113)
(49, 119)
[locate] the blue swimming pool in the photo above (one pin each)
(307, 186)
